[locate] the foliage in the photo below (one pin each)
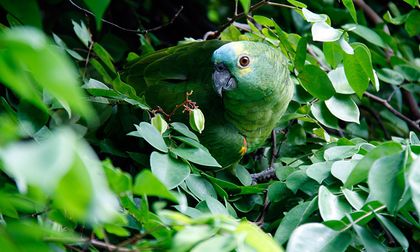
(87, 164)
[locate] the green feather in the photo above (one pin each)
(248, 112)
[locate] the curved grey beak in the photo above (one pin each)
(222, 79)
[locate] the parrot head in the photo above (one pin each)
(246, 70)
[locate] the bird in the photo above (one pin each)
(242, 87)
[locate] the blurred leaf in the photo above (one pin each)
(292, 219)
(119, 181)
(245, 5)
(411, 24)
(220, 243)
(350, 7)
(344, 108)
(215, 206)
(316, 82)
(147, 184)
(296, 135)
(29, 49)
(354, 198)
(327, 240)
(27, 12)
(104, 56)
(390, 76)
(170, 171)
(98, 8)
(256, 238)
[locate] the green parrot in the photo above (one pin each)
(243, 88)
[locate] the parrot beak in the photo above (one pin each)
(222, 79)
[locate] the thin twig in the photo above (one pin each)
(215, 34)
(385, 103)
(412, 104)
(109, 247)
(138, 31)
(260, 220)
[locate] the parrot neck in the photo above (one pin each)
(256, 119)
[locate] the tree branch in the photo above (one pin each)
(264, 176)
(215, 34)
(138, 31)
(412, 124)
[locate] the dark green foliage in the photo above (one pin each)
(87, 164)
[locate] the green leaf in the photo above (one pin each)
(331, 207)
(321, 31)
(397, 20)
(295, 180)
(323, 115)
(412, 23)
(82, 33)
(327, 240)
(313, 17)
(220, 243)
(245, 5)
(159, 123)
(316, 82)
(256, 238)
(215, 206)
(147, 184)
(319, 171)
(300, 56)
(296, 135)
(350, 7)
(361, 171)
(183, 129)
(366, 33)
(358, 69)
(344, 108)
(340, 152)
(333, 53)
(152, 136)
(105, 57)
(390, 76)
(119, 181)
(394, 230)
(413, 3)
(370, 243)
(98, 8)
(200, 187)
(297, 3)
(170, 171)
(28, 52)
(339, 81)
(386, 180)
(64, 167)
(414, 182)
(354, 198)
(292, 219)
(196, 155)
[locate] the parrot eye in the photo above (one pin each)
(244, 61)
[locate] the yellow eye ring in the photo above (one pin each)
(244, 61)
